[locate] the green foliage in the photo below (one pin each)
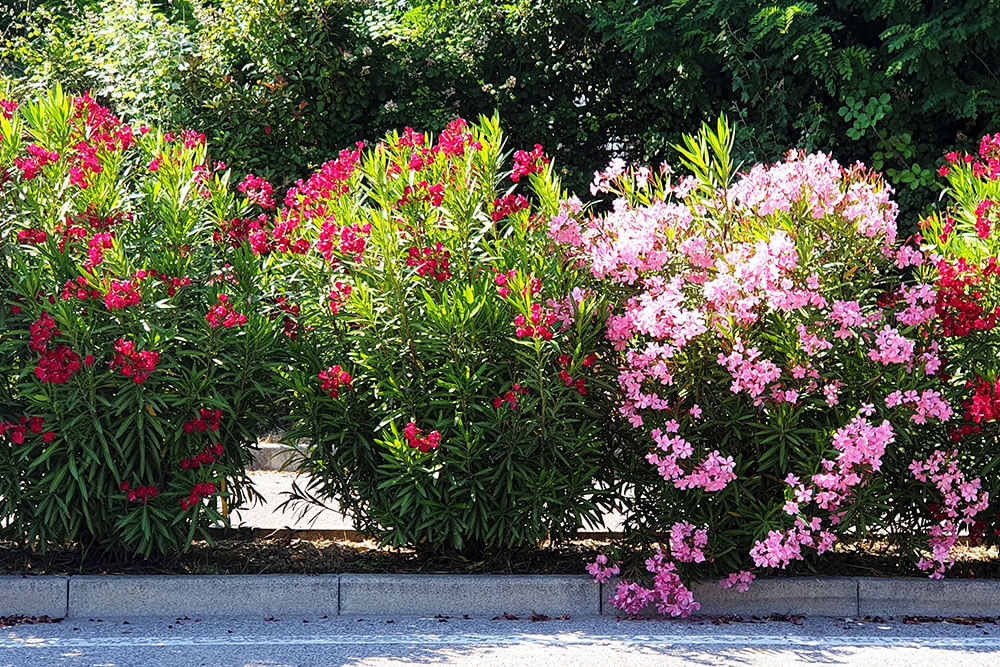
(856, 78)
(91, 240)
(431, 330)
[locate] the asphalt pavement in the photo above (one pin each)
(599, 641)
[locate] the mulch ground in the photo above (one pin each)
(311, 553)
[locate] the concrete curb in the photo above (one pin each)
(203, 595)
(482, 595)
(34, 596)
(123, 596)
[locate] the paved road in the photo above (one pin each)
(602, 642)
(275, 485)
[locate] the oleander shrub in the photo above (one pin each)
(779, 352)
(450, 371)
(138, 352)
(963, 242)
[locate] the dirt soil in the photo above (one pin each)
(312, 553)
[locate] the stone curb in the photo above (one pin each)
(34, 596)
(482, 595)
(123, 596)
(203, 595)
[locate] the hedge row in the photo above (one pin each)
(751, 366)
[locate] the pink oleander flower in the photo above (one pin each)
(741, 580)
(601, 571)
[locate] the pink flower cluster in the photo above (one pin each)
(713, 473)
(860, 446)
(668, 593)
(962, 499)
(601, 571)
(926, 404)
(741, 580)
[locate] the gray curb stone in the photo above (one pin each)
(480, 595)
(799, 596)
(33, 596)
(203, 595)
(833, 596)
(489, 595)
(927, 597)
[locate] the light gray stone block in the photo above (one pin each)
(475, 595)
(33, 596)
(799, 596)
(927, 597)
(275, 456)
(203, 595)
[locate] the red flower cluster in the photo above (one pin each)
(18, 430)
(422, 192)
(349, 240)
(55, 366)
(333, 379)
(289, 323)
(140, 494)
(197, 493)
(208, 420)
(41, 332)
(432, 261)
(415, 438)
(566, 361)
(539, 326)
(32, 236)
(96, 246)
(502, 279)
(526, 162)
(510, 397)
(989, 164)
(959, 298)
(237, 230)
(983, 223)
(80, 289)
(122, 294)
(173, 284)
(338, 296)
(330, 182)
(506, 205)
(282, 233)
(206, 457)
(37, 158)
(7, 108)
(258, 191)
(221, 314)
(133, 364)
(454, 139)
